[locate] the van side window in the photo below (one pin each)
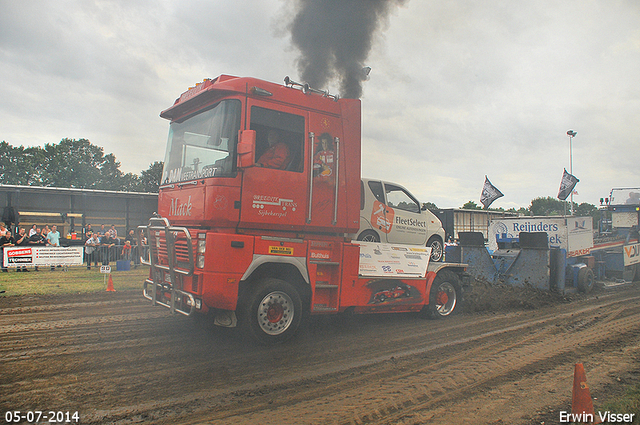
(279, 139)
(376, 189)
(399, 198)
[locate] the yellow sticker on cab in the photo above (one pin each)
(281, 250)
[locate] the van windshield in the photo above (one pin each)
(203, 145)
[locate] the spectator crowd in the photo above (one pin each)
(100, 246)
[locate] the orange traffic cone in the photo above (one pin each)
(581, 403)
(110, 285)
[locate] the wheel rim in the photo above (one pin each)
(369, 238)
(436, 250)
(275, 313)
(445, 299)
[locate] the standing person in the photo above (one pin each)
(22, 239)
(5, 241)
(53, 239)
(113, 233)
(131, 237)
(142, 249)
(37, 240)
(91, 250)
(106, 245)
(126, 251)
(87, 232)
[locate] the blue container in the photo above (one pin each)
(123, 265)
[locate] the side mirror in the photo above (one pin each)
(246, 148)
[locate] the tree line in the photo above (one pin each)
(80, 164)
(72, 164)
(541, 207)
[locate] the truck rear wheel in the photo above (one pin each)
(272, 312)
(444, 295)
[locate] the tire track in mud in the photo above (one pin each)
(424, 387)
(415, 380)
(128, 362)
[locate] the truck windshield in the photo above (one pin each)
(625, 196)
(203, 145)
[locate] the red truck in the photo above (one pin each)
(258, 207)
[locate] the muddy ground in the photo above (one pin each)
(506, 358)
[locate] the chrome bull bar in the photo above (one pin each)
(158, 228)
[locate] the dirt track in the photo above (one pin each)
(116, 359)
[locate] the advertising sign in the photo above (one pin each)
(42, 256)
(574, 234)
(377, 259)
(624, 219)
(579, 236)
(631, 254)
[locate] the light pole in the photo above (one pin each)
(571, 135)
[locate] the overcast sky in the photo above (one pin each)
(458, 89)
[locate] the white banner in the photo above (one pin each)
(378, 259)
(575, 234)
(42, 256)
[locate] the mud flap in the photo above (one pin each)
(226, 319)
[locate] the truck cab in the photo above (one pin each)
(389, 213)
(258, 206)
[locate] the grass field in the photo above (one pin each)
(73, 281)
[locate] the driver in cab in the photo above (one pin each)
(277, 155)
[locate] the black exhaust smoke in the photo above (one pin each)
(335, 37)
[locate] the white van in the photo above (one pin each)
(389, 213)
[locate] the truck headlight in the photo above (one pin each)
(202, 245)
(201, 249)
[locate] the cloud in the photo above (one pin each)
(458, 89)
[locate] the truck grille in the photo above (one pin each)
(170, 248)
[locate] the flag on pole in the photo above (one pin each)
(566, 186)
(489, 193)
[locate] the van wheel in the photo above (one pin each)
(444, 295)
(437, 248)
(369, 236)
(272, 312)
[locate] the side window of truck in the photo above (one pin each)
(279, 139)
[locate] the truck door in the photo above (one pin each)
(407, 224)
(274, 191)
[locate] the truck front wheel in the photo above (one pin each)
(272, 311)
(444, 294)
